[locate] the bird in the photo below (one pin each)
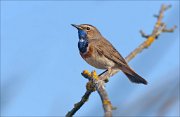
(101, 54)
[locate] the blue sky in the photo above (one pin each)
(41, 66)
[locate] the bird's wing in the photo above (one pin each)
(104, 47)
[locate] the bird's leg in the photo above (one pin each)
(109, 71)
(106, 74)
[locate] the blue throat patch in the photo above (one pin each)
(83, 42)
(82, 34)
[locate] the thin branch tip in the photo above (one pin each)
(143, 34)
(168, 6)
(170, 30)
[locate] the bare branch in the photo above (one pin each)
(103, 94)
(158, 29)
(78, 105)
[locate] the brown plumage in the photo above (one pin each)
(101, 53)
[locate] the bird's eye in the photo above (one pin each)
(88, 28)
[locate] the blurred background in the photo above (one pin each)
(41, 66)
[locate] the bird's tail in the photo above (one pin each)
(134, 77)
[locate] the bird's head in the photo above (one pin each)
(87, 31)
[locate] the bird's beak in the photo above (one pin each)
(77, 26)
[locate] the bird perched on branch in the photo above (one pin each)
(100, 53)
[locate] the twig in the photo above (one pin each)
(143, 34)
(158, 29)
(97, 82)
(78, 105)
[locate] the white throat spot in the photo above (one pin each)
(81, 40)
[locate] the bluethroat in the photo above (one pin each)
(100, 53)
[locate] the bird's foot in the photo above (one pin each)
(98, 82)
